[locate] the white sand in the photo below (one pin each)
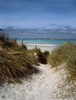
(47, 85)
(43, 47)
(41, 44)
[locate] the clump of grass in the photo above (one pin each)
(24, 47)
(3, 37)
(32, 57)
(41, 56)
(6, 43)
(15, 66)
(65, 53)
(16, 61)
(17, 47)
(57, 57)
(45, 54)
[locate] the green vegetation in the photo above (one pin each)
(64, 54)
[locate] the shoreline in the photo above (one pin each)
(43, 47)
(38, 44)
(41, 44)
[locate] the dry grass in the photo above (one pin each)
(6, 43)
(65, 53)
(41, 57)
(16, 61)
(15, 66)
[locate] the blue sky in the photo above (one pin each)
(37, 13)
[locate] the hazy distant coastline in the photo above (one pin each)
(55, 34)
(48, 38)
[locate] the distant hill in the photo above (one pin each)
(41, 33)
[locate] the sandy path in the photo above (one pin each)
(46, 85)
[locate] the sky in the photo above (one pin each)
(37, 13)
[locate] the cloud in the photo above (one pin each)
(37, 13)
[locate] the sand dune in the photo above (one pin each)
(46, 85)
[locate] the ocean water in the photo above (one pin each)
(46, 41)
(45, 44)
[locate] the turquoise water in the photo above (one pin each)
(46, 41)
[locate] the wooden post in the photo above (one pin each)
(35, 46)
(22, 42)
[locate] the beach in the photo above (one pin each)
(44, 44)
(47, 83)
(37, 49)
(43, 47)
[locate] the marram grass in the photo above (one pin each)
(64, 54)
(16, 62)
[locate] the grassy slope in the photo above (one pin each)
(16, 62)
(65, 53)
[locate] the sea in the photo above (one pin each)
(46, 41)
(44, 44)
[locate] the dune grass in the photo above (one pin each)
(41, 57)
(15, 66)
(16, 62)
(64, 54)
(7, 43)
